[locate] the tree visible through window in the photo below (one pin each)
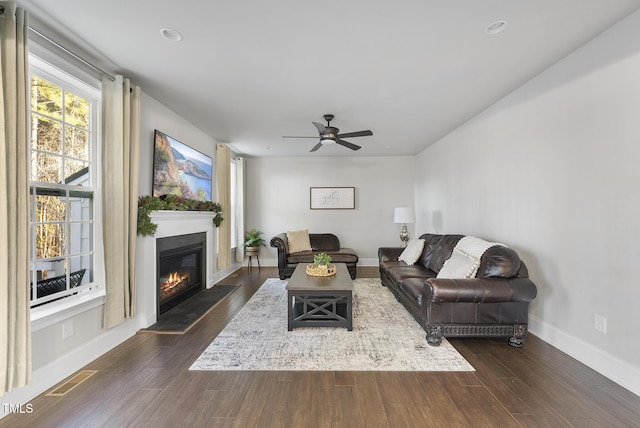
(62, 191)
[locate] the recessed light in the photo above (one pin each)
(497, 27)
(171, 34)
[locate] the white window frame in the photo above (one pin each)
(59, 72)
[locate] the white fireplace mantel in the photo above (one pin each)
(170, 223)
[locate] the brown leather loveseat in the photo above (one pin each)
(320, 243)
(494, 302)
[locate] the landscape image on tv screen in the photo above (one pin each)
(180, 170)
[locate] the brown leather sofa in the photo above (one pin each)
(493, 304)
(320, 243)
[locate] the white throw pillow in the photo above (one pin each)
(412, 252)
(298, 241)
(459, 265)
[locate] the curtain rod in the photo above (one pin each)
(85, 62)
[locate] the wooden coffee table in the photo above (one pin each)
(320, 301)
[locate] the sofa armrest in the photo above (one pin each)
(479, 290)
(386, 254)
(282, 244)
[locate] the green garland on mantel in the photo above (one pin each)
(147, 204)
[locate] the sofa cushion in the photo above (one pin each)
(459, 265)
(413, 251)
(413, 287)
(345, 255)
(442, 249)
(427, 252)
(388, 264)
(301, 257)
(401, 272)
(298, 240)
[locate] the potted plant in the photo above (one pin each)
(253, 241)
(321, 266)
(322, 259)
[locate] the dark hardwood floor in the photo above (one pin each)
(145, 382)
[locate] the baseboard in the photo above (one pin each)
(620, 372)
(53, 373)
(221, 274)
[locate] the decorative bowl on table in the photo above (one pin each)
(321, 266)
(314, 269)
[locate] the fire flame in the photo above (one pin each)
(175, 277)
(173, 283)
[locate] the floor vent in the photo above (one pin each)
(71, 383)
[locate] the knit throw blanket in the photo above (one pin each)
(465, 258)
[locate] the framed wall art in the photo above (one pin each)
(332, 198)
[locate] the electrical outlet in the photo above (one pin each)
(600, 324)
(67, 329)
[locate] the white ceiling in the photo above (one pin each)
(248, 72)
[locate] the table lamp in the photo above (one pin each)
(404, 215)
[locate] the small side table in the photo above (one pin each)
(257, 258)
(253, 252)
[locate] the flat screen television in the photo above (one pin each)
(180, 170)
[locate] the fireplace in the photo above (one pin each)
(180, 262)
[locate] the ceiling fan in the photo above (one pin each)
(330, 135)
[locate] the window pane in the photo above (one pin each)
(76, 143)
(47, 134)
(77, 172)
(50, 208)
(80, 206)
(46, 98)
(48, 167)
(50, 240)
(81, 270)
(80, 238)
(51, 277)
(76, 110)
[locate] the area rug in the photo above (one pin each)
(384, 338)
(182, 317)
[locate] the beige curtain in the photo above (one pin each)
(120, 148)
(223, 160)
(15, 324)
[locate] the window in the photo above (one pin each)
(233, 170)
(236, 210)
(63, 178)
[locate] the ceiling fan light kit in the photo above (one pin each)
(331, 135)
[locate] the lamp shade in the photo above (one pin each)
(403, 215)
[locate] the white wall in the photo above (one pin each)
(277, 199)
(154, 115)
(552, 170)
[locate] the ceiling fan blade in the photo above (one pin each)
(320, 127)
(316, 147)
(348, 144)
(356, 134)
(293, 136)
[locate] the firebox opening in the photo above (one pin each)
(180, 269)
